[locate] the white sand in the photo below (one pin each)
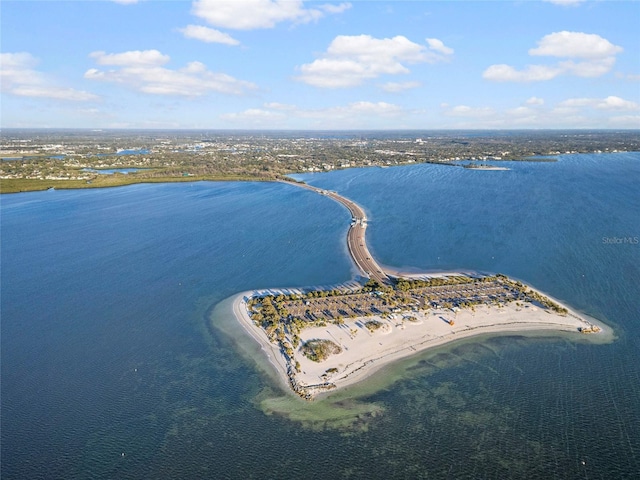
(364, 352)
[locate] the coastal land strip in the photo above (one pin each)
(322, 340)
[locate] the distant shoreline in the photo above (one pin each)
(22, 185)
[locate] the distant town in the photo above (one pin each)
(42, 159)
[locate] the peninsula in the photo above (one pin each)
(321, 340)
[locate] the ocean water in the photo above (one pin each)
(119, 360)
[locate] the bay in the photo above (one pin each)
(108, 347)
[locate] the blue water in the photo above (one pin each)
(111, 171)
(107, 347)
(141, 151)
(134, 151)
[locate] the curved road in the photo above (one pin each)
(356, 236)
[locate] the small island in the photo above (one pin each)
(483, 166)
(323, 339)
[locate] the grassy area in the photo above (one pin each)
(319, 349)
(15, 185)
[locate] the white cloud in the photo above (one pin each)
(521, 111)
(609, 112)
(532, 73)
(19, 77)
(17, 68)
(535, 101)
(254, 14)
(575, 44)
(143, 71)
(52, 92)
(591, 68)
(395, 87)
(280, 106)
(596, 55)
(139, 58)
(437, 46)
(350, 60)
(334, 9)
(208, 35)
(125, 2)
(467, 111)
(608, 103)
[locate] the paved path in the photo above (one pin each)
(356, 236)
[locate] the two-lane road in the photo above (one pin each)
(356, 240)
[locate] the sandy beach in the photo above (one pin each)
(405, 334)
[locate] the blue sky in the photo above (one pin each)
(285, 64)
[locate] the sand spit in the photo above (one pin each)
(402, 335)
(351, 349)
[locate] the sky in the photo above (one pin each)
(330, 65)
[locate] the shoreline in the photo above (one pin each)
(364, 353)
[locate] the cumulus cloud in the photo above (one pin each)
(208, 35)
(575, 44)
(437, 46)
(587, 55)
(144, 71)
(350, 60)
(254, 14)
(334, 9)
(534, 101)
(19, 77)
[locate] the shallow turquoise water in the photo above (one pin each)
(107, 348)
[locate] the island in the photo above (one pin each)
(322, 340)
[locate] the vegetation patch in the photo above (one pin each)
(373, 325)
(319, 349)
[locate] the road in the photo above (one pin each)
(356, 240)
